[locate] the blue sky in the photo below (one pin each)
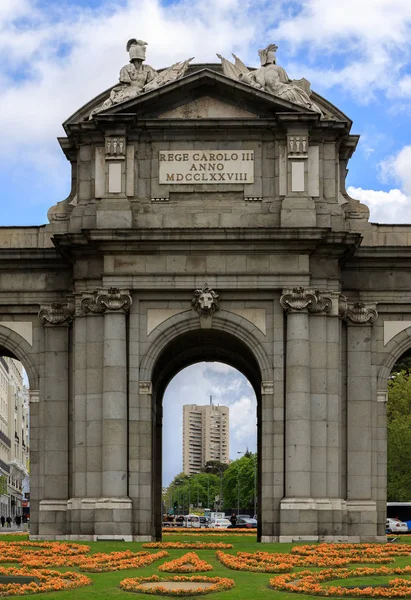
(57, 55)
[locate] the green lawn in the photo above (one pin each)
(248, 585)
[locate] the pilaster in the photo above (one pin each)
(114, 181)
(298, 206)
(361, 506)
(53, 419)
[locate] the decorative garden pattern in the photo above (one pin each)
(188, 563)
(32, 573)
(47, 581)
(177, 586)
(310, 582)
(323, 555)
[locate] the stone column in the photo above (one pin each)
(115, 422)
(54, 415)
(36, 484)
(297, 404)
(93, 401)
(320, 400)
(112, 511)
(360, 504)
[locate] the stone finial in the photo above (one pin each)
(56, 314)
(360, 313)
(299, 298)
(205, 301)
(113, 299)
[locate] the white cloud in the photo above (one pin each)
(243, 421)
(393, 206)
(385, 207)
(371, 38)
(397, 168)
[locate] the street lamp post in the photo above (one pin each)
(238, 485)
(221, 471)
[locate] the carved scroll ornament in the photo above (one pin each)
(205, 301)
(112, 299)
(56, 314)
(360, 313)
(299, 298)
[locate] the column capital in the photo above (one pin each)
(56, 313)
(360, 313)
(301, 299)
(110, 300)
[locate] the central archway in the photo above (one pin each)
(207, 345)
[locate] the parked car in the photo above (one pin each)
(395, 526)
(245, 522)
(205, 521)
(220, 523)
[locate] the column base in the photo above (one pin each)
(100, 518)
(362, 519)
(328, 520)
(52, 519)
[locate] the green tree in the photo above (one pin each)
(399, 434)
(215, 466)
(197, 491)
(239, 482)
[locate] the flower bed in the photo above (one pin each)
(119, 561)
(209, 530)
(354, 553)
(49, 581)
(309, 582)
(323, 555)
(189, 563)
(197, 585)
(16, 550)
(189, 545)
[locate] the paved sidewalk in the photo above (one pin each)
(13, 529)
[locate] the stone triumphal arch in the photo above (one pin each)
(208, 220)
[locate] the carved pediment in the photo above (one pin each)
(207, 107)
(172, 97)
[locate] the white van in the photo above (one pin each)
(191, 521)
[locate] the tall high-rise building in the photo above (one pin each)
(205, 436)
(14, 437)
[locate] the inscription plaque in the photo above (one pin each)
(206, 166)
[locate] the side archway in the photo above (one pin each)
(395, 348)
(13, 345)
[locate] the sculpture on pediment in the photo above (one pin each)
(271, 78)
(137, 78)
